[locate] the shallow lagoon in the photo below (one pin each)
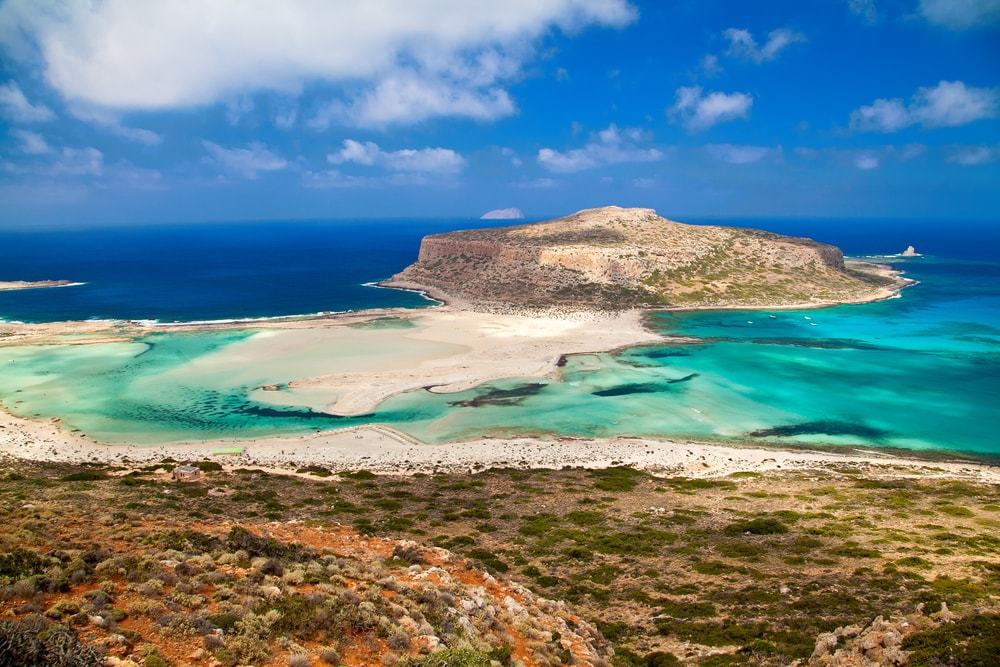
(921, 371)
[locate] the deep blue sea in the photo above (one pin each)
(921, 371)
(200, 272)
(196, 272)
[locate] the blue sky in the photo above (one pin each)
(159, 111)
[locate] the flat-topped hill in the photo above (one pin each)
(614, 257)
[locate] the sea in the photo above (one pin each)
(918, 372)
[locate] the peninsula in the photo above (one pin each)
(9, 285)
(614, 258)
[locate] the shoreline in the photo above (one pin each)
(472, 347)
(384, 450)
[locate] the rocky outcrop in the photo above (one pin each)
(881, 642)
(612, 258)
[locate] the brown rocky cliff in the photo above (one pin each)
(613, 257)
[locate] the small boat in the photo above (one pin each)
(749, 321)
(812, 324)
(806, 317)
(773, 317)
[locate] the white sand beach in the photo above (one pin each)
(385, 450)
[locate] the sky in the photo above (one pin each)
(123, 112)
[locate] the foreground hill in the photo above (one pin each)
(612, 257)
(126, 567)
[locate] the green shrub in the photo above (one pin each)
(84, 476)
(618, 478)
(973, 641)
(758, 526)
(36, 641)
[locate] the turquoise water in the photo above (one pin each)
(921, 372)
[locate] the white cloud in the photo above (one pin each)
(743, 45)
(609, 146)
(422, 160)
(411, 98)
(960, 14)
(110, 122)
(31, 143)
(536, 183)
(867, 161)
(952, 103)
(78, 162)
(699, 111)
(912, 151)
(866, 10)
(391, 60)
(286, 118)
(737, 154)
(246, 162)
(973, 156)
(881, 116)
(15, 106)
(948, 104)
(710, 65)
(511, 155)
(334, 178)
(237, 109)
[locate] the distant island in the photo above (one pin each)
(9, 285)
(614, 258)
(503, 214)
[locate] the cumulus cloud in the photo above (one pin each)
(422, 160)
(960, 14)
(609, 146)
(699, 111)
(410, 98)
(31, 143)
(247, 162)
(388, 60)
(948, 104)
(16, 107)
(738, 154)
(973, 156)
(743, 45)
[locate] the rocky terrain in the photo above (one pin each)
(204, 564)
(616, 258)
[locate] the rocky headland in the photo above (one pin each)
(614, 258)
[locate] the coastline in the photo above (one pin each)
(384, 450)
(478, 347)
